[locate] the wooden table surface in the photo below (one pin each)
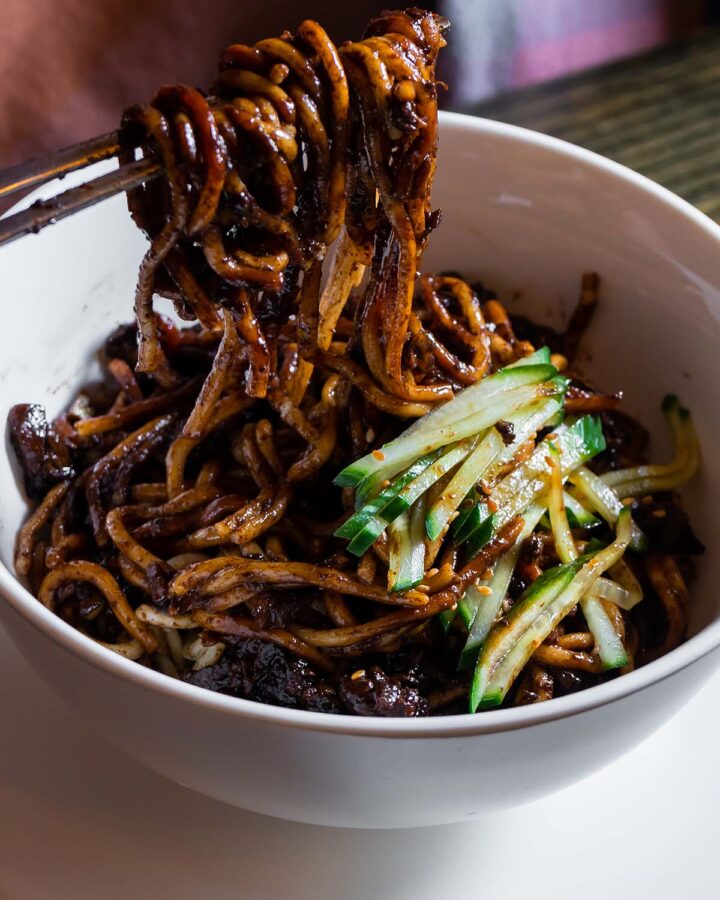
(658, 113)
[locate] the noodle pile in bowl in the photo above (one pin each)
(186, 509)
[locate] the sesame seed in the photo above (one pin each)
(379, 455)
(358, 673)
(492, 505)
(647, 499)
(659, 513)
(484, 590)
(370, 435)
(627, 501)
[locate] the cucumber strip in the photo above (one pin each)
(352, 525)
(406, 549)
(479, 537)
(446, 618)
(468, 519)
(404, 450)
(576, 444)
(664, 477)
(547, 601)
(520, 478)
(437, 470)
(608, 642)
(605, 500)
(469, 399)
(507, 632)
(404, 498)
(482, 610)
(607, 589)
(541, 414)
(564, 543)
(624, 576)
(488, 458)
(469, 473)
(441, 425)
(578, 515)
(541, 355)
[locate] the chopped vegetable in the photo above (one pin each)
(473, 409)
(352, 525)
(402, 499)
(480, 610)
(514, 639)
(649, 479)
(606, 501)
(513, 494)
(608, 642)
(406, 549)
(488, 457)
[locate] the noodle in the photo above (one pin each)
(185, 511)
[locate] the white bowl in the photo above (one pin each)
(528, 214)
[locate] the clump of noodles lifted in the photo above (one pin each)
(186, 515)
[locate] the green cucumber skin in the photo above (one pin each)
(479, 537)
(399, 503)
(481, 624)
(351, 526)
(543, 590)
(508, 648)
(584, 524)
(537, 357)
(442, 417)
(366, 537)
(618, 657)
(467, 522)
(586, 439)
(400, 586)
(447, 617)
(406, 549)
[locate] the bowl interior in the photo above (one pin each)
(524, 214)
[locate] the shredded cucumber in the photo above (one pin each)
(649, 479)
(547, 601)
(608, 642)
(406, 549)
(479, 610)
(363, 515)
(488, 458)
(473, 409)
(605, 500)
(575, 443)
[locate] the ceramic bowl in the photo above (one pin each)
(527, 214)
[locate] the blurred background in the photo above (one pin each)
(68, 67)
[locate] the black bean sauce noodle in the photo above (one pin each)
(184, 506)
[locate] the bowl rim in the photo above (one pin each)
(466, 724)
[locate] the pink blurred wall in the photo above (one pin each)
(68, 67)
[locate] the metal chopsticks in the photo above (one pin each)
(39, 171)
